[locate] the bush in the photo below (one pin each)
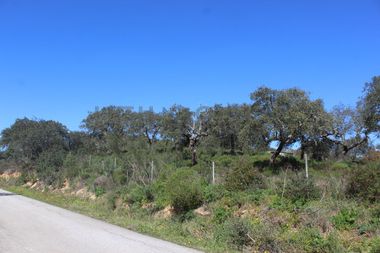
(364, 183)
(184, 190)
(289, 162)
(27, 176)
(299, 189)
(345, 219)
(213, 192)
(99, 191)
(221, 214)
(244, 176)
(119, 177)
(138, 194)
(49, 165)
(266, 238)
(375, 246)
(236, 232)
(310, 240)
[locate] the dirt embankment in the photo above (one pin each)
(9, 174)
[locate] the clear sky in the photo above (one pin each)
(61, 59)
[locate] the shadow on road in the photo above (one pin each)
(2, 194)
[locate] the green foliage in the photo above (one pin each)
(185, 190)
(213, 192)
(340, 166)
(49, 166)
(235, 232)
(364, 182)
(369, 106)
(119, 176)
(26, 176)
(345, 219)
(289, 162)
(375, 246)
(310, 240)
(243, 176)
(221, 214)
(26, 139)
(137, 194)
(299, 189)
(289, 114)
(99, 191)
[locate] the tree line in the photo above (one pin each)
(276, 119)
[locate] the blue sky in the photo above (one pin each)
(61, 59)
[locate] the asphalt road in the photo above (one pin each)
(27, 225)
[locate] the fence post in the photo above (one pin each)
(306, 166)
(213, 172)
(151, 171)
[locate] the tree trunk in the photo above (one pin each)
(277, 152)
(232, 143)
(302, 155)
(193, 157)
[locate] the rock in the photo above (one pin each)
(166, 213)
(103, 182)
(202, 211)
(28, 184)
(9, 174)
(83, 193)
(66, 185)
(147, 205)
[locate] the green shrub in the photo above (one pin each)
(27, 176)
(289, 162)
(244, 176)
(111, 200)
(236, 232)
(364, 183)
(375, 246)
(310, 240)
(160, 195)
(221, 214)
(224, 160)
(266, 238)
(213, 192)
(345, 219)
(184, 189)
(119, 177)
(99, 191)
(138, 194)
(299, 189)
(49, 165)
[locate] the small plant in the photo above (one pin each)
(119, 177)
(99, 191)
(213, 192)
(300, 189)
(236, 232)
(345, 219)
(221, 214)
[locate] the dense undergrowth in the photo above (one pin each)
(252, 207)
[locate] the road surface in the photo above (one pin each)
(27, 225)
